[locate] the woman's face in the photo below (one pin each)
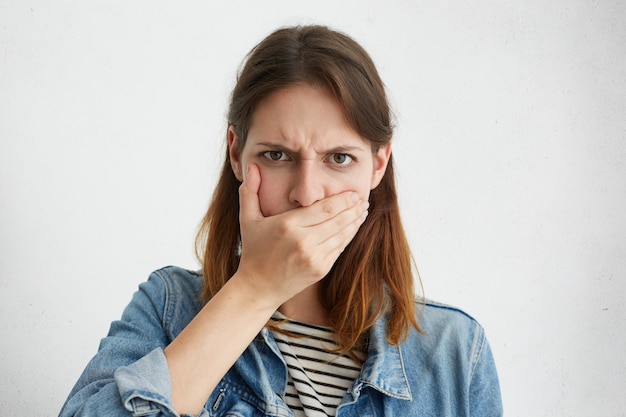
(305, 150)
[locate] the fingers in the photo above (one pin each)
(249, 194)
(331, 222)
(341, 229)
(298, 236)
(327, 239)
(330, 207)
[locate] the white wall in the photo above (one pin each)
(511, 152)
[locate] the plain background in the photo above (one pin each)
(510, 151)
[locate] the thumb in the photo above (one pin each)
(249, 194)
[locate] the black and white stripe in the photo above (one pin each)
(317, 378)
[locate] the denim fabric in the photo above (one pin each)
(448, 370)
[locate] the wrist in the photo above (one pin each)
(254, 293)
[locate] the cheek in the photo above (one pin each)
(273, 198)
(364, 191)
(361, 184)
(274, 190)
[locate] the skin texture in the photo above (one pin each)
(318, 152)
(305, 152)
(301, 203)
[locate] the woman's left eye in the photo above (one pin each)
(341, 158)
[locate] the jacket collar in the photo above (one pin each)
(383, 369)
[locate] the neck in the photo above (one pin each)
(306, 307)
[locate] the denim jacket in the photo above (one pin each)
(448, 370)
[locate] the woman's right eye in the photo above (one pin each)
(275, 155)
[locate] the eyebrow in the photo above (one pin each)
(336, 149)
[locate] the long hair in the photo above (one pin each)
(374, 274)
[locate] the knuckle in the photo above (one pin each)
(339, 222)
(285, 227)
(299, 247)
(327, 208)
(312, 266)
(315, 266)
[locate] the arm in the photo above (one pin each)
(485, 398)
(137, 368)
(129, 367)
(281, 256)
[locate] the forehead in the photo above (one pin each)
(303, 115)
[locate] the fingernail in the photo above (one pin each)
(365, 204)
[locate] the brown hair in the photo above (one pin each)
(374, 274)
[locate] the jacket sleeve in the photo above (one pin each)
(484, 396)
(129, 374)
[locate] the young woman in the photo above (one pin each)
(305, 304)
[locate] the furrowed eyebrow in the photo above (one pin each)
(338, 149)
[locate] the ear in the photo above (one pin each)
(380, 160)
(233, 153)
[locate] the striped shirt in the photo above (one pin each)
(317, 379)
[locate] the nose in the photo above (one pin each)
(307, 184)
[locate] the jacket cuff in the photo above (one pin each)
(145, 386)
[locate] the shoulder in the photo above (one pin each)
(452, 352)
(176, 292)
(178, 282)
(446, 329)
(436, 316)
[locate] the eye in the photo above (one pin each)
(275, 155)
(341, 159)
